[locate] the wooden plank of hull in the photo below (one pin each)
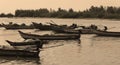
(21, 53)
(49, 27)
(86, 31)
(49, 37)
(72, 31)
(67, 31)
(106, 33)
(18, 27)
(41, 26)
(36, 42)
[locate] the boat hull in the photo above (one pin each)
(86, 31)
(18, 27)
(49, 37)
(41, 26)
(108, 34)
(21, 53)
(38, 43)
(72, 31)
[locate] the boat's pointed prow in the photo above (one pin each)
(19, 31)
(33, 23)
(8, 41)
(22, 34)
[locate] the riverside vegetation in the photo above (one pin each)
(109, 12)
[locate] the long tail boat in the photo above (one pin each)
(4, 51)
(41, 26)
(52, 26)
(17, 26)
(107, 33)
(49, 37)
(35, 42)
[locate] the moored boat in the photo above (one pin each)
(18, 27)
(38, 43)
(52, 26)
(107, 33)
(41, 26)
(86, 31)
(4, 51)
(12, 25)
(74, 31)
(68, 31)
(49, 37)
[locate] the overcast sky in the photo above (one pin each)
(11, 5)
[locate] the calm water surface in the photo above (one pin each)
(91, 50)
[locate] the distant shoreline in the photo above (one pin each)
(101, 12)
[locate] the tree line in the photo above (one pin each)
(93, 12)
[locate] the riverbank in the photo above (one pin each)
(101, 12)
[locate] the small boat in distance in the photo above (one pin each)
(53, 26)
(41, 26)
(107, 33)
(13, 26)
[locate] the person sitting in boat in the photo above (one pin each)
(73, 25)
(93, 27)
(40, 23)
(39, 44)
(10, 23)
(105, 28)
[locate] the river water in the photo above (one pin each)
(91, 50)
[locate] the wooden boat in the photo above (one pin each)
(38, 43)
(41, 26)
(73, 31)
(4, 51)
(107, 33)
(86, 31)
(52, 26)
(69, 31)
(18, 27)
(49, 37)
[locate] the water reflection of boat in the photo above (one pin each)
(20, 60)
(49, 37)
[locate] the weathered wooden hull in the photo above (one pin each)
(65, 30)
(50, 27)
(21, 53)
(69, 31)
(72, 31)
(49, 37)
(38, 43)
(86, 31)
(18, 27)
(41, 26)
(106, 33)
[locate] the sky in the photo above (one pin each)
(7, 6)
